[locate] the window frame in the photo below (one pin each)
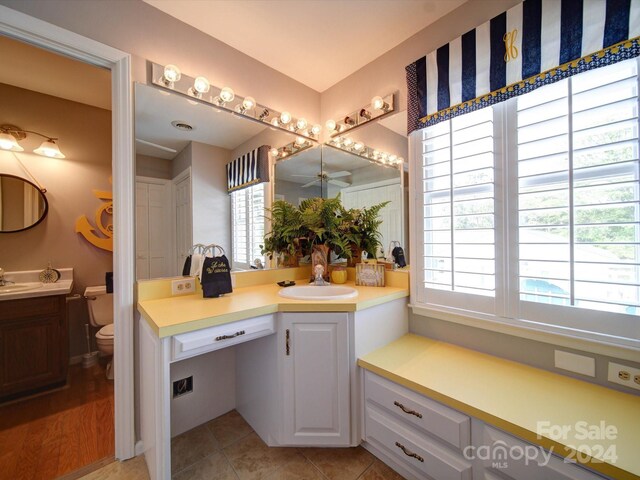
(572, 326)
(236, 265)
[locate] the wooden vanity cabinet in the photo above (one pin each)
(34, 345)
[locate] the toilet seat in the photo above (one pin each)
(105, 333)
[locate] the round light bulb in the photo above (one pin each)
(285, 117)
(227, 95)
(283, 153)
(172, 74)
(316, 129)
(377, 103)
(358, 146)
(300, 141)
(248, 103)
(376, 154)
(348, 142)
(275, 122)
(274, 152)
(337, 140)
(301, 124)
(400, 160)
(393, 158)
(201, 85)
(331, 125)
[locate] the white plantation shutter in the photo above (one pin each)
(578, 191)
(458, 194)
(247, 214)
(531, 209)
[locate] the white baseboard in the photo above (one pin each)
(139, 448)
(78, 358)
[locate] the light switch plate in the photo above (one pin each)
(575, 363)
(624, 375)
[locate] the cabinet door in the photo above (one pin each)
(32, 354)
(315, 378)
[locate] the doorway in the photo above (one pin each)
(31, 30)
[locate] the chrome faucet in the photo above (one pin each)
(319, 280)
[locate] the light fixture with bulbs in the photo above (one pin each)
(378, 107)
(354, 147)
(200, 90)
(10, 135)
(298, 145)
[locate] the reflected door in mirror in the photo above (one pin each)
(22, 204)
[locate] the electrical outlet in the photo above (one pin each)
(183, 286)
(624, 375)
(182, 386)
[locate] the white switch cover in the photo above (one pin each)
(575, 363)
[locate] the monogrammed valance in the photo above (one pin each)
(249, 169)
(535, 43)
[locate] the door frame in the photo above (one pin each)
(42, 34)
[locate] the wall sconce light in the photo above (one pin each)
(10, 135)
(379, 106)
(226, 95)
(285, 118)
(170, 75)
(301, 124)
(316, 129)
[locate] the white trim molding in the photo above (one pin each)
(50, 37)
(554, 335)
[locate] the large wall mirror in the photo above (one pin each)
(22, 204)
(182, 149)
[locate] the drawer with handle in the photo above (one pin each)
(418, 453)
(187, 345)
(427, 415)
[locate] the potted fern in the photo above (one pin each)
(286, 232)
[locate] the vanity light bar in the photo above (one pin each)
(298, 145)
(347, 144)
(378, 107)
(171, 78)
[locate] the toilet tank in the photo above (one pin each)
(100, 309)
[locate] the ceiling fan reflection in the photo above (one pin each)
(327, 177)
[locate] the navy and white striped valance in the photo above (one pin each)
(535, 43)
(249, 169)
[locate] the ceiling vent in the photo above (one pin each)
(180, 125)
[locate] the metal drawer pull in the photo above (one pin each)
(406, 410)
(226, 337)
(287, 348)
(409, 453)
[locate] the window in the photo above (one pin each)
(247, 217)
(530, 208)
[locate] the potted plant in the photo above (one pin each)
(286, 232)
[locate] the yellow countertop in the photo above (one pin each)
(181, 314)
(515, 397)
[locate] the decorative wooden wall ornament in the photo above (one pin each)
(104, 223)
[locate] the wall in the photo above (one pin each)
(211, 201)
(386, 73)
(85, 139)
(153, 167)
(149, 34)
(293, 192)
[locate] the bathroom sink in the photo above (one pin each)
(20, 287)
(313, 292)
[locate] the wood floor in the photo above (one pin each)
(51, 435)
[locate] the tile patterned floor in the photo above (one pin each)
(227, 448)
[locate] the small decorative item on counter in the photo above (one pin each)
(370, 274)
(216, 276)
(285, 283)
(49, 275)
(339, 274)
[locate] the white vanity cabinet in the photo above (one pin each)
(424, 439)
(314, 368)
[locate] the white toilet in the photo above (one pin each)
(100, 305)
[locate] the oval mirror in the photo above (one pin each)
(22, 204)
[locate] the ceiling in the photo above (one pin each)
(42, 71)
(156, 109)
(316, 42)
